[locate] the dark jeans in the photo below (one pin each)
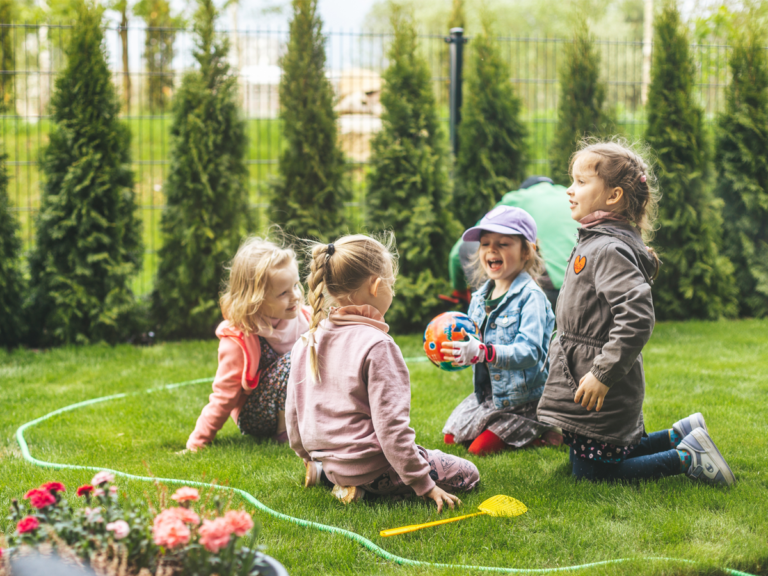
(653, 458)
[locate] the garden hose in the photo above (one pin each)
(299, 521)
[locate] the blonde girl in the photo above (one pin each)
(596, 386)
(264, 316)
(349, 391)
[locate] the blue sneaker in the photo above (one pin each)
(687, 425)
(707, 464)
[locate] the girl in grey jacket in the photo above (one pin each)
(596, 385)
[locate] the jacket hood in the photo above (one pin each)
(632, 238)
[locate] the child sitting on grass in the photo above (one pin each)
(264, 317)
(509, 364)
(349, 392)
(604, 319)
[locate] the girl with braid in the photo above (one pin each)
(349, 391)
(264, 315)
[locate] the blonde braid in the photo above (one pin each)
(316, 297)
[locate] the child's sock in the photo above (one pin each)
(685, 460)
(449, 439)
(674, 438)
(486, 443)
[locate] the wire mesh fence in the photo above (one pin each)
(148, 64)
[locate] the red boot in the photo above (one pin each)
(486, 443)
(449, 439)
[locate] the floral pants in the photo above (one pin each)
(259, 415)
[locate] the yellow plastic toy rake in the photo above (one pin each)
(496, 506)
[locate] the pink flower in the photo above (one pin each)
(98, 492)
(40, 498)
(240, 521)
(177, 515)
(113, 490)
(53, 487)
(170, 533)
(120, 528)
(28, 524)
(93, 515)
(214, 535)
(84, 489)
(185, 493)
(102, 478)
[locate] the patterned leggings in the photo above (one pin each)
(259, 416)
(451, 473)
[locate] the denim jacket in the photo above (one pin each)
(520, 329)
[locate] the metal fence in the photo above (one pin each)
(32, 55)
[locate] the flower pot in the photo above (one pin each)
(273, 567)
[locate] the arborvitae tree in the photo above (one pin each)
(11, 280)
(696, 281)
(158, 50)
(307, 199)
(408, 189)
(581, 111)
(458, 17)
(206, 210)
(88, 233)
(492, 137)
(742, 161)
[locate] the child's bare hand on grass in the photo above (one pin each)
(441, 497)
(591, 392)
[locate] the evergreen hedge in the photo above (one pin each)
(408, 187)
(696, 280)
(88, 234)
(493, 154)
(742, 161)
(206, 212)
(11, 280)
(307, 199)
(581, 107)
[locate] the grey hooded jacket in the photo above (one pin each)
(604, 318)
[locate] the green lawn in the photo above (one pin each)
(718, 368)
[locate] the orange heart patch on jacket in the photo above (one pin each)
(579, 263)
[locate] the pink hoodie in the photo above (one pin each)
(355, 420)
(238, 373)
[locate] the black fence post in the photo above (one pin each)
(457, 41)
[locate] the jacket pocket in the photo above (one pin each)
(569, 379)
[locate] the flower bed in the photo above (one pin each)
(119, 537)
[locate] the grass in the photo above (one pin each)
(718, 368)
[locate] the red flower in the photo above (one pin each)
(53, 487)
(28, 524)
(40, 498)
(84, 489)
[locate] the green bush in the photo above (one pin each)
(11, 280)
(88, 233)
(408, 188)
(696, 280)
(206, 212)
(492, 137)
(581, 107)
(308, 197)
(742, 161)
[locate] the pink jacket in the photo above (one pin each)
(355, 420)
(236, 377)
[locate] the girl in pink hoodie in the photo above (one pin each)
(349, 391)
(264, 317)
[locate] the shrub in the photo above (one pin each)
(206, 212)
(492, 137)
(119, 537)
(88, 233)
(580, 111)
(11, 280)
(742, 161)
(695, 281)
(408, 189)
(307, 199)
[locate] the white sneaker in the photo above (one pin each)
(707, 464)
(347, 494)
(314, 472)
(687, 425)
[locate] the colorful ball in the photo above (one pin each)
(447, 328)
